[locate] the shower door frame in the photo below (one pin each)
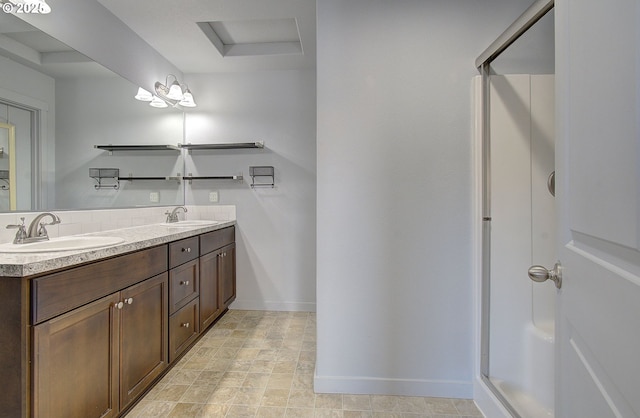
(521, 25)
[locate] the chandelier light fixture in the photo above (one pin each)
(168, 94)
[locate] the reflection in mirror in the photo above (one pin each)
(7, 167)
(16, 141)
(62, 104)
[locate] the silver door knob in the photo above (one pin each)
(541, 274)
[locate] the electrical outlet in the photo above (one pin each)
(213, 197)
(154, 197)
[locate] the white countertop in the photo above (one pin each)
(135, 238)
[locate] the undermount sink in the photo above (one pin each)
(189, 224)
(62, 244)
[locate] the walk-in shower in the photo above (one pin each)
(518, 214)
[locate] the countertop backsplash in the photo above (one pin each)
(99, 220)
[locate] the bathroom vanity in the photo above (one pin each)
(87, 333)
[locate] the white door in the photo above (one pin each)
(598, 197)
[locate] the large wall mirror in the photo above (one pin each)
(56, 105)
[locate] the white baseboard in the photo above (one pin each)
(406, 387)
(261, 305)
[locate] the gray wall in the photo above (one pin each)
(394, 278)
(276, 231)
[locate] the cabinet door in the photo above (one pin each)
(76, 363)
(209, 304)
(227, 275)
(144, 336)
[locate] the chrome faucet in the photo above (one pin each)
(173, 216)
(36, 230)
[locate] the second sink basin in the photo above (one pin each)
(190, 224)
(70, 243)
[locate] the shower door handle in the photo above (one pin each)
(541, 274)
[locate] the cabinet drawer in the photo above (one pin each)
(211, 241)
(61, 292)
(184, 284)
(184, 328)
(182, 251)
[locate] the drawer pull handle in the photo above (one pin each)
(129, 301)
(119, 305)
(186, 250)
(185, 325)
(184, 283)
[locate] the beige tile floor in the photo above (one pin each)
(260, 364)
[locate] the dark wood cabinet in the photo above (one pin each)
(184, 328)
(227, 275)
(76, 362)
(88, 341)
(184, 292)
(209, 303)
(217, 274)
(96, 359)
(144, 336)
(184, 285)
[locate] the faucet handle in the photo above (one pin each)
(21, 234)
(19, 226)
(171, 217)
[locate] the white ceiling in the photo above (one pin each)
(29, 46)
(171, 27)
(253, 35)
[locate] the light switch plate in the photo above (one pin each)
(154, 197)
(213, 197)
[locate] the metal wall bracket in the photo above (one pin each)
(262, 171)
(99, 174)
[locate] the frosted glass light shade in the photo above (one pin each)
(187, 100)
(175, 91)
(158, 102)
(143, 95)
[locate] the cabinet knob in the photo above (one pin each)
(119, 305)
(129, 301)
(185, 325)
(186, 250)
(184, 283)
